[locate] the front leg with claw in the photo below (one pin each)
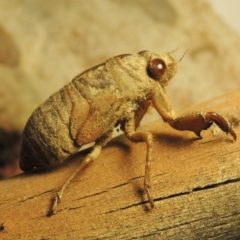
(194, 121)
(198, 121)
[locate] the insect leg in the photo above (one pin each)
(198, 121)
(194, 121)
(99, 144)
(140, 112)
(132, 135)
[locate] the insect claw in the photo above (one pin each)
(151, 204)
(56, 201)
(221, 123)
(149, 195)
(198, 134)
(50, 213)
(232, 133)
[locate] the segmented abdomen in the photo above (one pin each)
(47, 140)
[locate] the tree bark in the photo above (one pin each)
(195, 184)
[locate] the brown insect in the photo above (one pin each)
(117, 92)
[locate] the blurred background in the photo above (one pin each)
(44, 44)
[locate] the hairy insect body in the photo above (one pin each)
(84, 110)
(117, 92)
(46, 139)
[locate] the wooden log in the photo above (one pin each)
(195, 184)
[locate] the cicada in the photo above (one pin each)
(117, 92)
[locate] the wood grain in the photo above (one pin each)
(195, 184)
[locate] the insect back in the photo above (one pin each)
(82, 111)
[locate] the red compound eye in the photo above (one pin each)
(157, 68)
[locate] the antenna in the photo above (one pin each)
(183, 56)
(173, 50)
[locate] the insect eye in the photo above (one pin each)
(157, 68)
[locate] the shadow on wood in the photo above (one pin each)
(195, 184)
